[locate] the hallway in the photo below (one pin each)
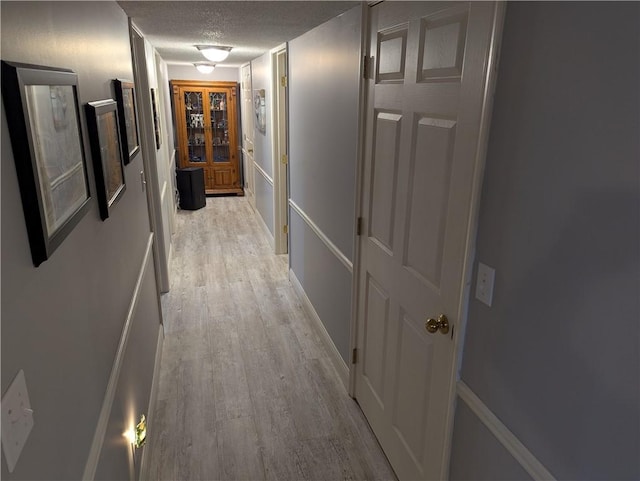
(246, 388)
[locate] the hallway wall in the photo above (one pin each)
(63, 321)
(556, 357)
(324, 85)
(263, 145)
(189, 72)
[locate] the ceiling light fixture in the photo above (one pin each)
(214, 53)
(204, 67)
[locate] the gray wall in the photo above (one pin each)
(556, 356)
(189, 72)
(324, 82)
(325, 280)
(134, 386)
(490, 460)
(262, 145)
(324, 90)
(264, 200)
(61, 322)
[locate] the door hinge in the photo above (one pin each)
(283, 81)
(359, 226)
(366, 67)
(285, 229)
(284, 159)
(354, 356)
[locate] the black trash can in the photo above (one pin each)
(191, 188)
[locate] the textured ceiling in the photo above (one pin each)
(250, 27)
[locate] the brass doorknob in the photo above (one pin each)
(441, 324)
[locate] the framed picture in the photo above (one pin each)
(156, 119)
(260, 107)
(43, 119)
(104, 136)
(125, 98)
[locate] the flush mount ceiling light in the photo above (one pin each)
(204, 67)
(215, 53)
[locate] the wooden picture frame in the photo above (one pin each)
(126, 100)
(106, 150)
(43, 118)
(156, 119)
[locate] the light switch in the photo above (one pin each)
(17, 420)
(484, 286)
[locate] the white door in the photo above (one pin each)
(246, 101)
(423, 159)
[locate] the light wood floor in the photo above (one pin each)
(246, 389)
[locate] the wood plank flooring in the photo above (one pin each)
(246, 389)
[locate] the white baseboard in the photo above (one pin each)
(511, 443)
(336, 358)
(107, 403)
(152, 400)
(265, 228)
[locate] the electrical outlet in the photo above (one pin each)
(17, 420)
(484, 285)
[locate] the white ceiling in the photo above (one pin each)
(250, 27)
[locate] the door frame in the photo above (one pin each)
(280, 122)
(367, 63)
(246, 116)
(150, 176)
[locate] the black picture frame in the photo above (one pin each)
(104, 136)
(156, 119)
(43, 118)
(125, 98)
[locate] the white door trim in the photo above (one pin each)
(469, 252)
(246, 114)
(362, 117)
(279, 147)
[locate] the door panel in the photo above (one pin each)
(376, 322)
(425, 104)
(392, 48)
(442, 45)
(385, 165)
(223, 177)
(429, 187)
(411, 397)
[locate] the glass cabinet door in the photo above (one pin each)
(219, 126)
(194, 112)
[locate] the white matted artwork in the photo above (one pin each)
(260, 106)
(58, 152)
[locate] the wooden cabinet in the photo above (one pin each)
(206, 125)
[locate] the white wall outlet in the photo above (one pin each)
(17, 420)
(484, 285)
